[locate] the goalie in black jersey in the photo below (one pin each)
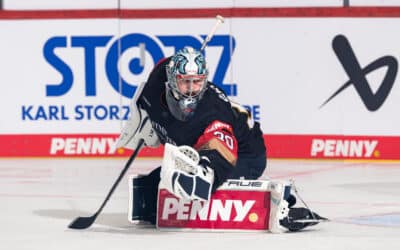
(179, 106)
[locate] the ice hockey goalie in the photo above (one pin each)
(239, 205)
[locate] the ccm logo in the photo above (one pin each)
(243, 183)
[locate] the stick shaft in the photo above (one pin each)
(121, 175)
(85, 222)
(220, 20)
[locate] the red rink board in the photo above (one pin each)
(278, 146)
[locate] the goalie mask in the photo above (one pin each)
(187, 81)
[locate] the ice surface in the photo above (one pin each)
(40, 197)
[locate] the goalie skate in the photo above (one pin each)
(300, 218)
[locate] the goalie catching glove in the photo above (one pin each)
(138, 126)
(185, 174)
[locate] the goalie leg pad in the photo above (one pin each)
(143, 197)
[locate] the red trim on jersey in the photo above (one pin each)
(223, 132)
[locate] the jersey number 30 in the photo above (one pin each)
(227, 139)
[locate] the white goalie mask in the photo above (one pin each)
(187, 81)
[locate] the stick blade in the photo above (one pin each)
(82, 222)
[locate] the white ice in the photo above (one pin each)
(40, 197)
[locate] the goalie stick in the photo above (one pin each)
(85, 222)
(220, 20)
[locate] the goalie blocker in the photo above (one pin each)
(240, 205)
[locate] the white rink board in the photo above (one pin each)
(28, 73)
(161, 4)
(292, 70)
(287, 71)
(60, 4)
(228, 3)
(374, 3)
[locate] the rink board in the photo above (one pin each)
(333, 94)
(278, 146)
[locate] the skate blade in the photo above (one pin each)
(311, 220)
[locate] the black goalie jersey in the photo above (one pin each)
(217, 123)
